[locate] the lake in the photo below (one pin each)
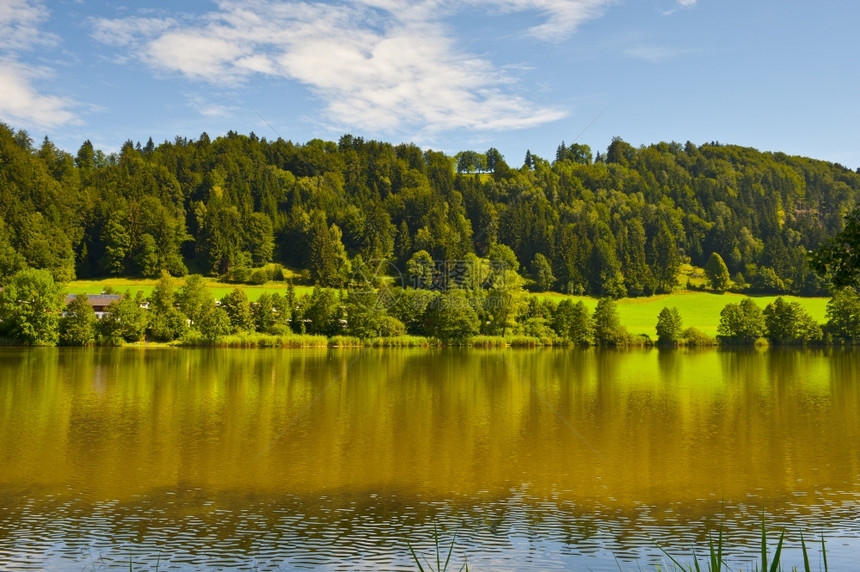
(340, 459)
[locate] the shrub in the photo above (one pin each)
(696, 338)
(391, 327)
(258, 276)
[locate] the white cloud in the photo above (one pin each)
(208, 109)
(681, 4)
(19, 25)
(21, 101)
(376, 64)
(126, 31)
(563, 17)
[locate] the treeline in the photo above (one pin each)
(612, 224)
(33, 312)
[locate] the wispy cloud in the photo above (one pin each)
(128, 30)
(563, 17)
(375, 64)
(209, 109)
(20, 100)
(680, 4)
(19, 25)
(652, 53)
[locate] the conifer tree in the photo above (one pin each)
(323, 263)
(717, 273)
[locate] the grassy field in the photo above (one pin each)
(697, 309)
(219, 289)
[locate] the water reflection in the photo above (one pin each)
(335, 458)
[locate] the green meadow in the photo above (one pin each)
(219, 289)
(698, 309)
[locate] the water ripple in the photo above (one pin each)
(368, 532)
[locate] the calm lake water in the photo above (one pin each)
(335, 459)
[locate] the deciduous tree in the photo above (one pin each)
(77, 325)
(30, 307)
(669, 326)
(741, 323)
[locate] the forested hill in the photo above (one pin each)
(613, 223)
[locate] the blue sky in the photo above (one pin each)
(444, 74)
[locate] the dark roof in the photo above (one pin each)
(96, 299)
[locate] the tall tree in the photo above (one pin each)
(741, 323)
(30, 307)
(839, 257)
(843, 315)
(166, 322)
(573, 322)
(717, 273)
(669, 326)
(323, 252)
(238, 309)
(125, 320)
(542, 271)
(194, 297)
(664, 259)
(608, 330)
(77, 325)
(789, 323)
(260, 238)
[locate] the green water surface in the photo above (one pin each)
(335, 459)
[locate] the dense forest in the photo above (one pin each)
(618, 223)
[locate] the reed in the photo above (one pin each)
(258, 340)
(716, 562)
(440, 565)
(402, 342)
(513, 341)
(345, 342)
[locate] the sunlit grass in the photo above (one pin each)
(258, 340)
(146, 285)
(700, 310)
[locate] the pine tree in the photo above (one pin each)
(542, 271)
(717, 273)
(323, 264)
(664, 259)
